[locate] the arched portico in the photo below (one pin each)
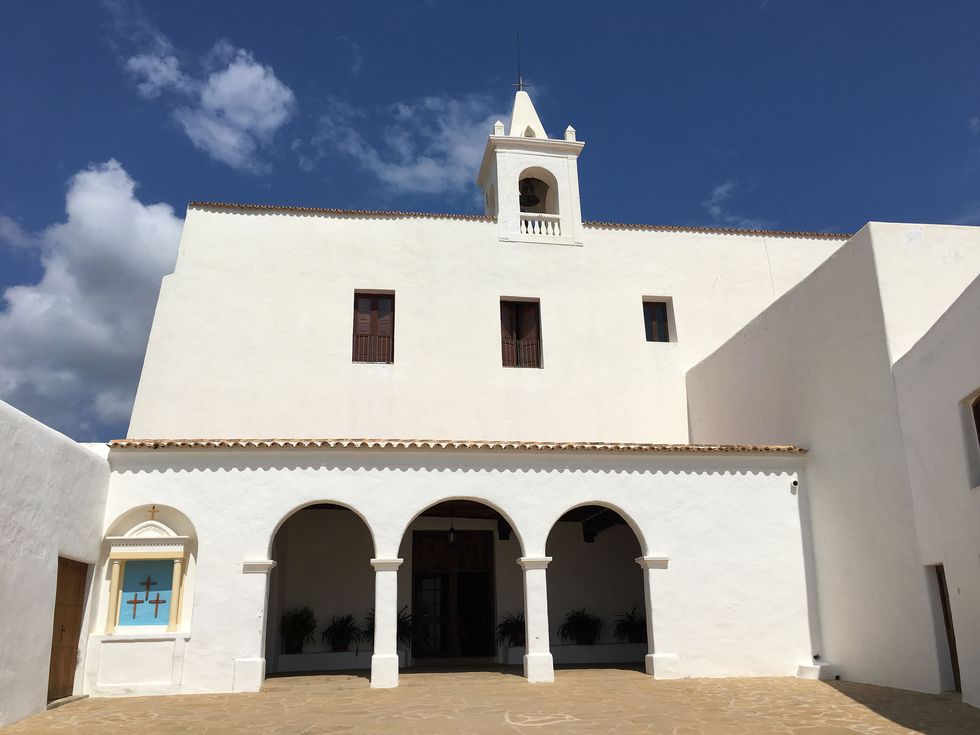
(320, 591)
(598, 598)
(458, 579)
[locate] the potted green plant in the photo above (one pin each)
(403, 627)
(631, 627)
(296, 627)
(511, 630)
(580, 626)
(342, 631)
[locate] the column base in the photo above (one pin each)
(384, 670)
(248, 675)
(663, 665)
(539, 668)
(822, 671)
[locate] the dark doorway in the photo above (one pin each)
(69, 602)
(453, 598)
(948, 620)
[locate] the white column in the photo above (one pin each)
(175, 590)
(114, 576)
(538, 664)
(384, 662)
(658, 665)
(249, 671)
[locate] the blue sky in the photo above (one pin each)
(770, 113)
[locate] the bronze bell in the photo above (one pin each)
(529, 197)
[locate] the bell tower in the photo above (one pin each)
(530, 181)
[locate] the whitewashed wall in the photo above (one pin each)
(52, 501)
(252, 334)
(934, 382)
(682, 506)
(815, 370)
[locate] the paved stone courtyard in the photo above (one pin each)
(581, 701)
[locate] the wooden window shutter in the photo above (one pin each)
(520, 333)
(508, 333)
(530, 327)
(385, 342)
(374, 328)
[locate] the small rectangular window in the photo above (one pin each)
(655, 320)
(520, 333)
(374, 327)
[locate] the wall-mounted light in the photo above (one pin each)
(452, 532)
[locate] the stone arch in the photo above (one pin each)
(322, 550)
(630, 521)
(322, 501)
(472, 499)
(593, 547)
(459, 577)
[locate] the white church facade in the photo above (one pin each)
(519, 438)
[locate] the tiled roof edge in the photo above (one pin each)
(343, 212)
(454, 444)
(392, 214)
(716, 230)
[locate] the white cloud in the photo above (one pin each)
(14, 235)
(231, 111)
(158, 73)
(975, 125)
(238, 110)
(74, 342)
(430, 146)
(718, 206)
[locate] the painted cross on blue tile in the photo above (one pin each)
(146, 592)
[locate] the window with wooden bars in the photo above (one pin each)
(374, 327)
(520, 333)
(655, 320)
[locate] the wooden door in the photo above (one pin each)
(948, 620)
(453, 593)
(68, 605)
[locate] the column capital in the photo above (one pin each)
(533, 562)
(386, 565)
(652, 562)
(254, 566)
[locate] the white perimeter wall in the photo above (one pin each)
(815, 370)
(52, 503)
(252, 334)
(934, 381)
(732, 602)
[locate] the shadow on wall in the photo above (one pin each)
(930, 714)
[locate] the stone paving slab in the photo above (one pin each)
(471, 703)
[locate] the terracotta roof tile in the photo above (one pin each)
(390, 214)
(453, 444)
(382, 213)
(716, 230)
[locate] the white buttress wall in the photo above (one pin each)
(814, 370)
(52, 503)
(252, 333)
(935, 381)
